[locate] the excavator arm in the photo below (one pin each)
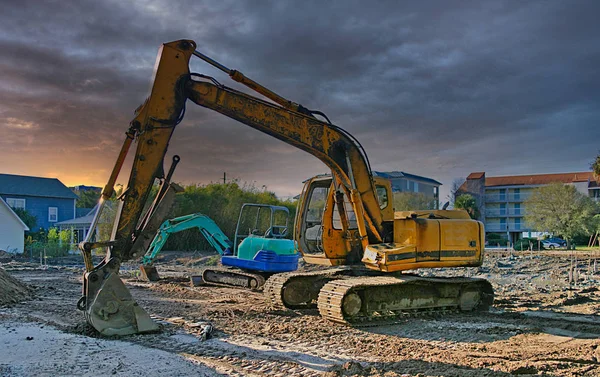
(209, 229)
(108, 305)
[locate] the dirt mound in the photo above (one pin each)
(12, 291)
(6, 256)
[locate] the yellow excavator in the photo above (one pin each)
(344, 219)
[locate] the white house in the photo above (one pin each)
(12, 230)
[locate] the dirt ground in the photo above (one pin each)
(539, 325)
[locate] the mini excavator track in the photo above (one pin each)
(367, 301)
(230, 277)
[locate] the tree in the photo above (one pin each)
(469, 204)
(562, 210)
(596, 166)
(409, 201)
(88, 199)
(454, 189)
(29, 219)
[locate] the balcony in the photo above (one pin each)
(512, 227)
(496, 212)
(495, 198)
(499, 212)
(499, 198)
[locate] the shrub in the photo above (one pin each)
(495, 239)
(525, 243)
(222, 203)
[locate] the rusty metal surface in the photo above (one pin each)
(329, 143)
(367, 301)
(304, 287)
(156, 120)
(108, 305)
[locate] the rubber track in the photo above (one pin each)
(258, 277)
(332, 294)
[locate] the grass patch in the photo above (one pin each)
(213, 261)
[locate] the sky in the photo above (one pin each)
(433, 88)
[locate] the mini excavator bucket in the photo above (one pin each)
(149, 273)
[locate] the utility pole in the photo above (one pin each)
(224, 177)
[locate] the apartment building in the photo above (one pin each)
(501, 200)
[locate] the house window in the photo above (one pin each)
(416, 187)
(52, 214)
(517, 209)
(407, 185)
(16, 203)
(502, 224)
(517, 223)
(502, 209)
(517, 194)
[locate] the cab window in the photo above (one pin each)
(337, 221)
(382, 196)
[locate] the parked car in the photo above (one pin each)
(550, 245)
(557, 240)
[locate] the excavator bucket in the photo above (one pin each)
(149, 273)
(109, 307)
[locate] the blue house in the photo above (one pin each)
(48, 199)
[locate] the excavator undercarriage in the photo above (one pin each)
(362, 297)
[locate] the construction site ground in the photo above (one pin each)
(540, 325)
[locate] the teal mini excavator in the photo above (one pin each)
(249, 260)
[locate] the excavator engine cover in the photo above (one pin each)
(109, 307)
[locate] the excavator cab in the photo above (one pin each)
(260, 243)
(320, 232)
(261, 220)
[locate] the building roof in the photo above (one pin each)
(401, 174)
(80, 212)
(88, 217)
(476, 175)
(539, 179)
(535, 179)
(34, 186)
(86, 188)
(10, 210)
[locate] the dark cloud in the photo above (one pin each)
(434, 88)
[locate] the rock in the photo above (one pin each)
(524, 370)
